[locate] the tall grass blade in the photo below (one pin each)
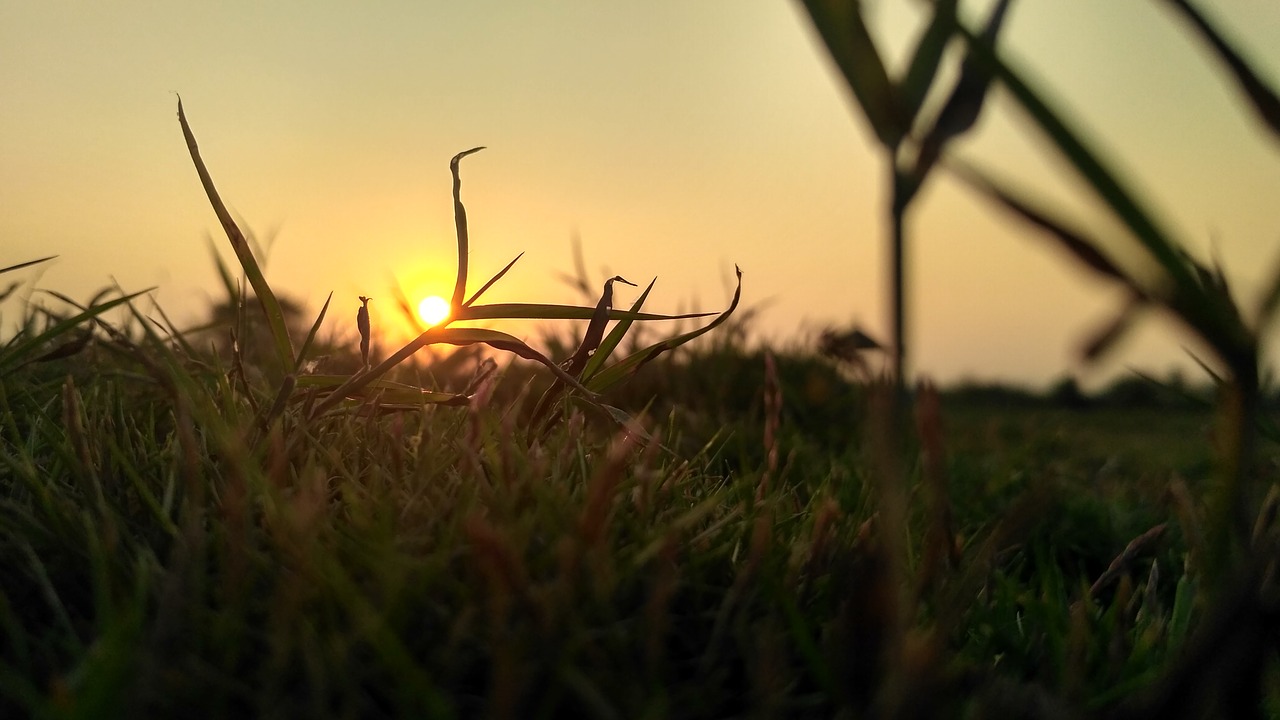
(841, 26)
(270, 305)
(1265, 101)
(460, 222)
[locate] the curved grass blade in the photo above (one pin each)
(595, 329)
(628, 366)
(449, 336)
(615, 336)
(492, 280)
(539, 311)
(840, 25)
(1264, 99)
(460, 222)
(270, 305)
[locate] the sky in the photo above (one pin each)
(673, 139)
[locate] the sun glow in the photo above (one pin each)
(433, 310)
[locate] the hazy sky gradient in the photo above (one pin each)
(675, 138)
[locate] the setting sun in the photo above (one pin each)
(433, 310)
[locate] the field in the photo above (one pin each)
(261, 517)
(161, 558)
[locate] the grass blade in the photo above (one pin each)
(270, 305)
(492, 280)
(632, 363)
(1264, 99)
(460, 222)
(311, 336)
(615, 336)
(595, 329)
(926, 59)
(540, 311)
(28, 263)
(840, 25)
(14, 356)
(1076, 243)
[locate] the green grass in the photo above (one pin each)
(447, 562)
(617, 526)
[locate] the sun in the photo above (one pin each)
(433, 310)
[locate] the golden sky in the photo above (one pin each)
(674, 138)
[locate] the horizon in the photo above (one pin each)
(673, 140)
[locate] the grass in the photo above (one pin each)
(622, 527)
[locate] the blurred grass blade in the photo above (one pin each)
(17, 355)
(1270, 299)
(311, 336)
(595, 329)
(224, 273)
(926, 59)
(28, 263)
(471, 300)
(270, 305)
(1083, 248)
(629, 365)
(840, 25)
(540, 311)
(1102, 179)
(460, 222)
(614, 337)
(1265, 101)
(962, 109)
(1106, 338)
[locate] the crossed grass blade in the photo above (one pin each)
(270, 305)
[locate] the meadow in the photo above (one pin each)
(262, 517)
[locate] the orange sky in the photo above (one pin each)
(674, 138)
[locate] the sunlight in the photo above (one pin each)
(433, 309)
